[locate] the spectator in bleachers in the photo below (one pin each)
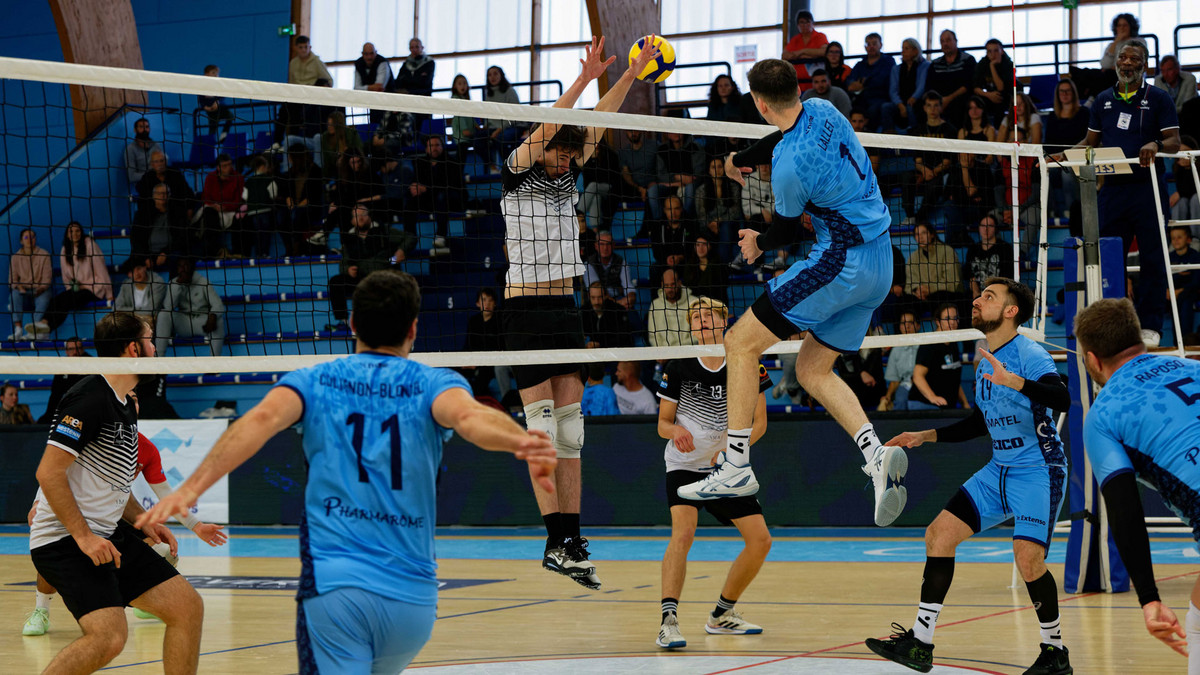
(906, 87)
(337, 141)
(1091, 81)
(901, 360)
(609, 269)
(667, 320)
(806, 47)
(392, 137)
(160, 231)
(932, 167)
(84, 270)
(463, 130)
(639, 163)
(724, 100)
(1189, 118)
(601, 176)
(1066, 127)
(994, 80)
(975, 183)
(372, 72)
(835, 65)
(1028, 126)
(306, 67)
(437, 189)
(952, 75)
(669, 236)
(758, 207)
(30, 280)
(303, 194)
(301, 123)
(138, 151)
(142, 293)
(500, 133)
(633, 398)
(62, 383)
(415, 75)
(1180, 84)
(214, 107)
(191, 307)
(605, 321)
(703, 270)
(1187, 282)
(483, 335)
(1184, 203)
(366, 247)
(357, 185)
(859, 122)
(261, 194)
(598, 397)
(898, 299)
(395, 180)
(991, 257)
(937, 374)
(862, 371)
(933, 271)
(151, 393)
(869, 80)
(12, 411)
(823, 89)
(161, 174)
(222, 198)
(719, 204)
(678, 163)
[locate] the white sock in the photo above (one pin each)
(867, 441)
(737, 448)
(43, 600)
(1193, 635)
(927, 616)
(1052, 633)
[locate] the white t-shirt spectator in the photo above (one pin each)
(640, 402)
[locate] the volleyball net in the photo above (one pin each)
(238, 217)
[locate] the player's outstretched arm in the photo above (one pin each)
(495, 430)
(615, 96)
(209, 533)
(592, 66)
(280, 408)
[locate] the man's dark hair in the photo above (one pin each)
(211, 67)
(932, 95)
(1169, 58)
(1134, 25)
(1140, 44)
(6, 386)
(804, 14)
(257, 163)
(115, 331)
(1108, 327)
(74, 338)
(302, 39)
(570, 138)
(819, 72)
(1181, 228)
(595, 372)
(774, 82)
(488, 291)
(22, 233)
(385, 305)
(877, 36)
(224, 157)
(945, 306)
(1017, 294)
(952, 33)
(994, 41)
(140, 120)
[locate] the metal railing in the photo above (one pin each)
(1179, 47)
(661, 91)
(531, 84)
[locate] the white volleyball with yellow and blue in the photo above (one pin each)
(660, 68)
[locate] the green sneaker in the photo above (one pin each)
(37, 623)
(1052, 661)
(143, 614)
(904, 648)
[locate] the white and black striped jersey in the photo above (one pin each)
(100, 429)
(702, 399)
(541, 230)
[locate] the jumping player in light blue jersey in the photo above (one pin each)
(1143, 426)
(1016, 387)
(373, 425)
(818, 168)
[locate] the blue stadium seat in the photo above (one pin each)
(235, 146)
(203, 152)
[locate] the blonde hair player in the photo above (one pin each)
(542, 240)
(692, 418)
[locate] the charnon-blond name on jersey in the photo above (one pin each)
(366, 389)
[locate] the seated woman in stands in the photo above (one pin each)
(84, 274)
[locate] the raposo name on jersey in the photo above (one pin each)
(364, 389)
(1160, 369)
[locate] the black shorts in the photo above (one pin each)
(770, 317)
(86, 587)
(726, 509)
(538, 322)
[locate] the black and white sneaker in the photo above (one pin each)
(570, 559)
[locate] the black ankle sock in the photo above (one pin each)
(724, 604)
(569, 522)
(939, 572)
(1043, 591)
(554, 531)
(669, 606)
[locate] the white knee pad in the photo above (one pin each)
(539, 416)
(569, 441)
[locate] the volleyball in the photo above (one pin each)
(660, 68)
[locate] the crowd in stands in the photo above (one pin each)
(374, 185)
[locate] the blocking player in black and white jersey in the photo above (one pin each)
(693, 419)
(77, 539)
(542, 238)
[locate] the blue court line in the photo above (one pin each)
(498, 609)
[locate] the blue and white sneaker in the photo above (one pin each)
(727, 480)
(669, 636)
(886, 469)
(730, 623)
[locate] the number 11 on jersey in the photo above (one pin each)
(391, 427)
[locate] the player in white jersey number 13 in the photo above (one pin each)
(818, 168)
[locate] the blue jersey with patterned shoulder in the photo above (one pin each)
(373, 452)
(1145, 420)
(1023, 432)
(820, 168)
